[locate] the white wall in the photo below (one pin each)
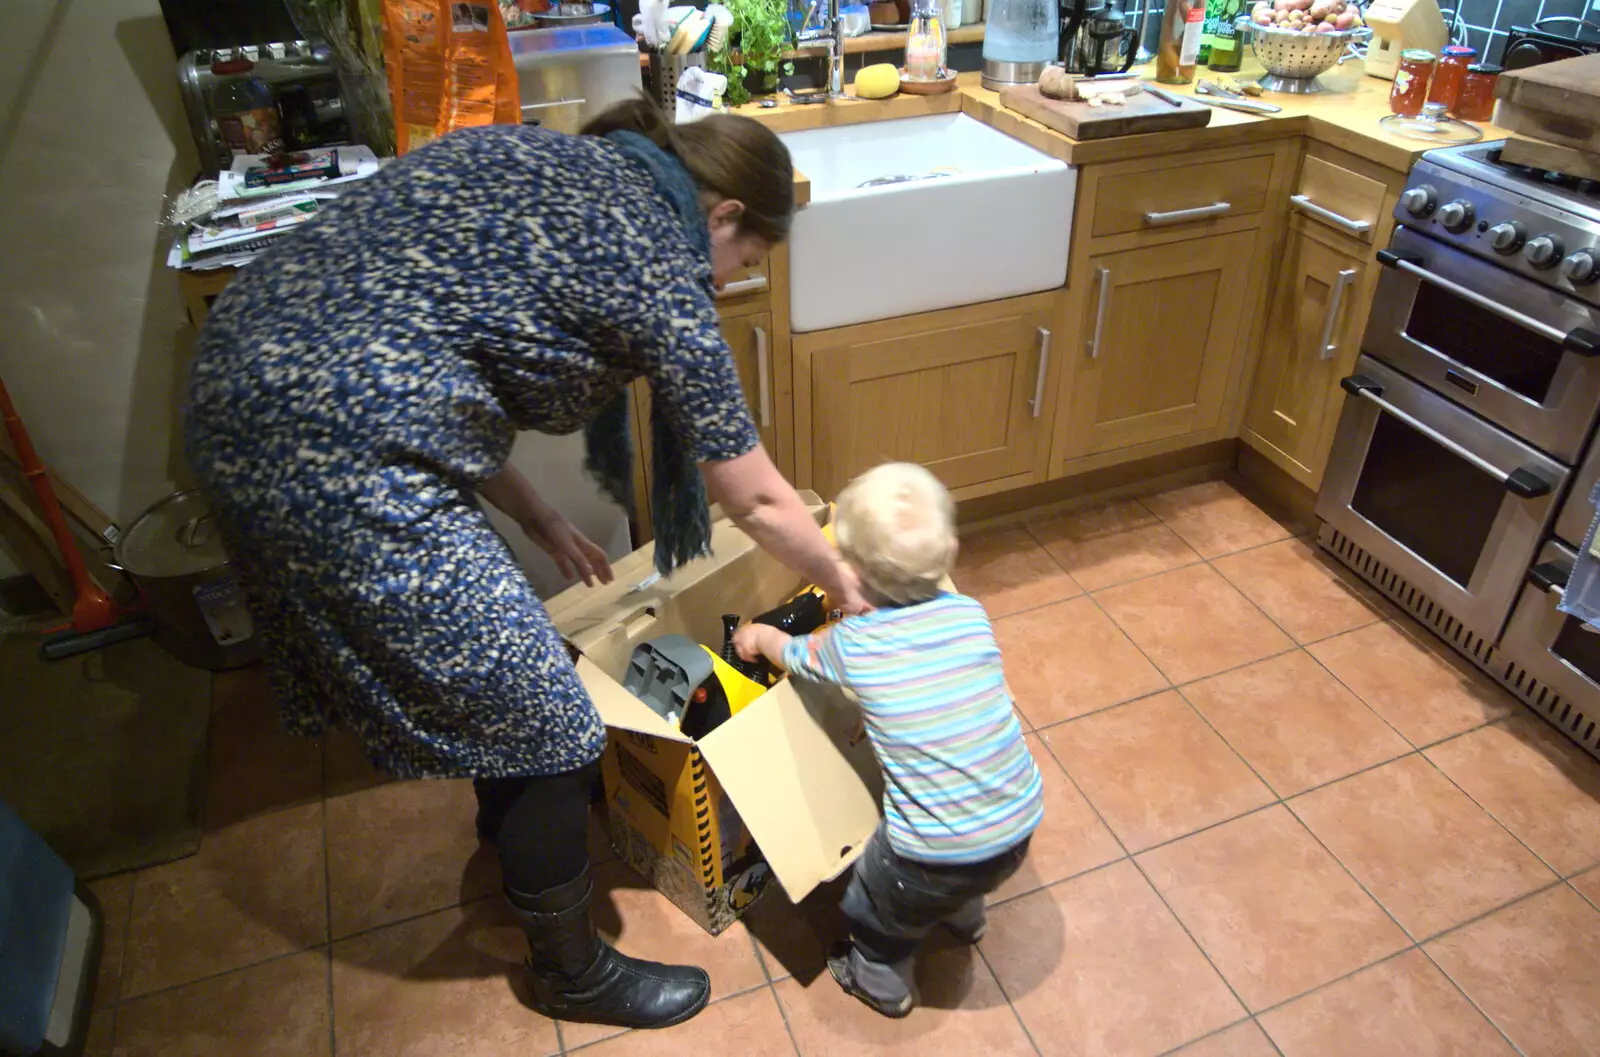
(92, 329)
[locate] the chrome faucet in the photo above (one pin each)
(823, 28)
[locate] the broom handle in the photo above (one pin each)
(34, 471)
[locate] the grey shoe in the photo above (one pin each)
(885, 988)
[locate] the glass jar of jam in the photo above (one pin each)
(1448, 75)
(1476, 99)
(1411, 78)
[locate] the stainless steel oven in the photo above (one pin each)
(1577, 512)
(1518, 352)
(1559, 651)
(1451, 502)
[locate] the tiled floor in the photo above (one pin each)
(1281, 820)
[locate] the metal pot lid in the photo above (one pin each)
(175, 537)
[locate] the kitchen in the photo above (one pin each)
(1104, 332)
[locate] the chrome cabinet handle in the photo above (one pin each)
(1310, 208)
(1103, 277)
(1335, 302)
(1183, 216)
(763, 378)
(1520, 482)
(1581, 341)
(1037, 403)
(744, 286)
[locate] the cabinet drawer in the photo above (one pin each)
(1180, 194)
(1343, 200)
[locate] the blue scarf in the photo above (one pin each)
(678, 505)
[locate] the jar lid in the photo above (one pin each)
(175, 537)
(1418, 55)
(1486, 67)
(1458, 51)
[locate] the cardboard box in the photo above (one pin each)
(788, 788)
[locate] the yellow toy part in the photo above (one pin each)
(740, 689)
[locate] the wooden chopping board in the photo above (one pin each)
(1141, 113)
(1556, 101)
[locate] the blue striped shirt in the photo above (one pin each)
(961, 785)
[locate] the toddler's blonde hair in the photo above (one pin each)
(896, 525)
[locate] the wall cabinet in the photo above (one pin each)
(961, 391)
(1163, 327)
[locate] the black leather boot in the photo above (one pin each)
(579, 976)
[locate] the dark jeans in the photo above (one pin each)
(539, 825)
(894, 902)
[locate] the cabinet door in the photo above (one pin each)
(958, 392)
(1163, 327)
(1313, 335)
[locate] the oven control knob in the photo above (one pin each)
(1581, 267)
(1420, 200)
(1543, 251)
(1507, 238)
(1457, 215)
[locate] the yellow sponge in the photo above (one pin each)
(878, 82)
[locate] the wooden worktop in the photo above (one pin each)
(1346, 115)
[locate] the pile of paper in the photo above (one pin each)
(261, 200)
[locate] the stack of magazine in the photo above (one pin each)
(261, 200)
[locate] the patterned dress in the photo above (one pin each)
(354, 386)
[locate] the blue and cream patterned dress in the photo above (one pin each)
(354, 386)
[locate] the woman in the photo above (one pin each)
(357, 386)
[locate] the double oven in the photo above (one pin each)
(1463, 465)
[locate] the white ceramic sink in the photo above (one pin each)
(984, 217)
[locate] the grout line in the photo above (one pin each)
(783, 1011)
(324, 948)
(1015, 1012)
(1472, 1001)
(1210, 1034)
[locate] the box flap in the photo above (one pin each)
(620, 709)
(797, 790)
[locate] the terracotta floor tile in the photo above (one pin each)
(254, 891)
(793, 939)
(1424, 691)
(345, 766)
(1302, 589)
(1068, 659)
(1008, 571)
(441, 984)
(1588, 885)
(1539, 785)
(749, 1025)
(640, 921)
(1241, 1040)
(98, 1040)
(115, 895)
(254, 766)
(1097, 966)
(1192, 623)
(1534, 968)
(404, 849)
(1214, 519)
(273, 1010)
(1296, 725)
(1111, 544)
(1276, 913)
(962, 1012)
(1155, 771)
(1402, 1006)
(1423, 849)
(1070, 839)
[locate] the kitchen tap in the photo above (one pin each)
(823, 28)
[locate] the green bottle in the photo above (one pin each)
(1221, 49)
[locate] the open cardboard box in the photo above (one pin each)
(788, 787)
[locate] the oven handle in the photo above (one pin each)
(1521, 482)
(1579, 340)
(1549, 578)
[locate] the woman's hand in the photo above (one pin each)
(576, 555)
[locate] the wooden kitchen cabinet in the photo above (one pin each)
(1163, 328)
(960, 391)
(1313, 336)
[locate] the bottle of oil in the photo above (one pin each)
(1181, 29)
(1220, 46)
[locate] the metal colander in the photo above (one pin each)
(1293, 54)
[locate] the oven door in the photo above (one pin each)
(1556, 649)
(1518, 353)
(1448, 501)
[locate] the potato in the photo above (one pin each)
(1055, 84)
(1324, 27)
(1345, 20)
(1321, 10)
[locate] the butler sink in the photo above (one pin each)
(919, 214)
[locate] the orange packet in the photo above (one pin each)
(449, 67)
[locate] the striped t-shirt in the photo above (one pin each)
(961, 785)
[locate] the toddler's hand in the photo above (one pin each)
(747, 641)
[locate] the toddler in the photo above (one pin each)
(962, 794)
